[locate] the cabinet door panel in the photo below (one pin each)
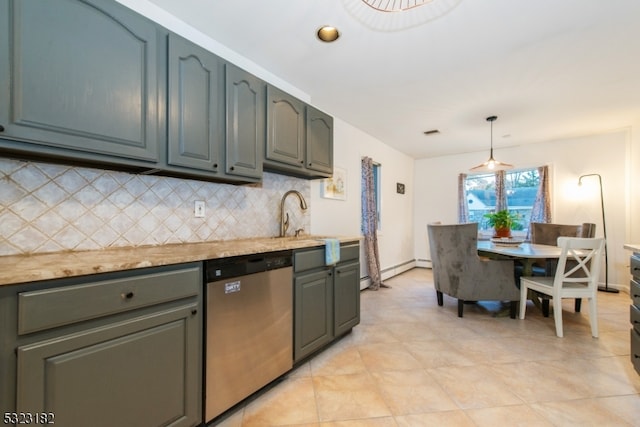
(285, 128)
(319, 156)
(313, 312)
(195, 97)
(95, 92)
(139, 372)
(245, 95)
(346, 297)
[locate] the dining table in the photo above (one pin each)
(527, 253)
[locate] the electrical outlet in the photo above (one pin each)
(199, 209)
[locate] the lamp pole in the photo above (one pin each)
(606, 287)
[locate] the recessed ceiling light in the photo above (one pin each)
(328, 34)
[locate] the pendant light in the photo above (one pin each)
(491, 164)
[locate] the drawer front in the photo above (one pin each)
(635, 350)
(635, 292)
(634, 318)
(635, 267)
(350, 252)
(308, 260)
(49, 308)
(315, 258)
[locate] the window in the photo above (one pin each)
(521, 187)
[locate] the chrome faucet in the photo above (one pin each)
(284, 219)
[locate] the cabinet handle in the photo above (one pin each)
(1, 128)
(302, 162)
(194, 312)
(127, 295)
(215, 166)
(232, 168)
(310, 164)
(330, 274)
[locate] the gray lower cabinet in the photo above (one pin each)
(326, 298)
(79, 80)
(313, 312)
(116, 349)
(346, 288)
(635, 311)
(245, 124)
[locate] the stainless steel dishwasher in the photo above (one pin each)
(249, 326)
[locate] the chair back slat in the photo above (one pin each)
(579, 261)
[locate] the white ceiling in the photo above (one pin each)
(549, 69)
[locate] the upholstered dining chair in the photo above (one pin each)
(547, 234)
(459, 272)
(578, 279)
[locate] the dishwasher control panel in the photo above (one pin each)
(224, 268)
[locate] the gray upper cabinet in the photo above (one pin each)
(196, 97)
(299, 137)
(245, 123)
(319, 156)
(78, 75)
(285, 130)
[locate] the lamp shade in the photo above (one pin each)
(491, 165)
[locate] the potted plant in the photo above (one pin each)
(502, 222)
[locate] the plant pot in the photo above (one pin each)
(502, 232)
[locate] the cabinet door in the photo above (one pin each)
(313, 313)
(81, 75)
(346, 288)
(245, 132)
(285, 128)
(140, 372)
(319, 155)
(196, 100)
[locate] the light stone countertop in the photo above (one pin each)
(635, 247)
(15, 269)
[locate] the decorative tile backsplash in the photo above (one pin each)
(49, 208)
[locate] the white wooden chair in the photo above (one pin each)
(571, 280)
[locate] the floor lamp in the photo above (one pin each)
(606, 287)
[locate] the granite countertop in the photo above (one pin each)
(16, 269)
(635, 247)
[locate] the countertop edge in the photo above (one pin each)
(20, 269)
(635, 247)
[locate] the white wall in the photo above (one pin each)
(605, 154)
(330, 216)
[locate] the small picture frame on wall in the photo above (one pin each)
(399, 188)
(336, 186)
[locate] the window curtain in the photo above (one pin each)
(463, 206)
(370, 225)
(541, 210)
(501, 194)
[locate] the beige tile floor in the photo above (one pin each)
(412, 363)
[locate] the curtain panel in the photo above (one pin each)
(541, 210)
(370, 224)
(463, 206)
(501, 194)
